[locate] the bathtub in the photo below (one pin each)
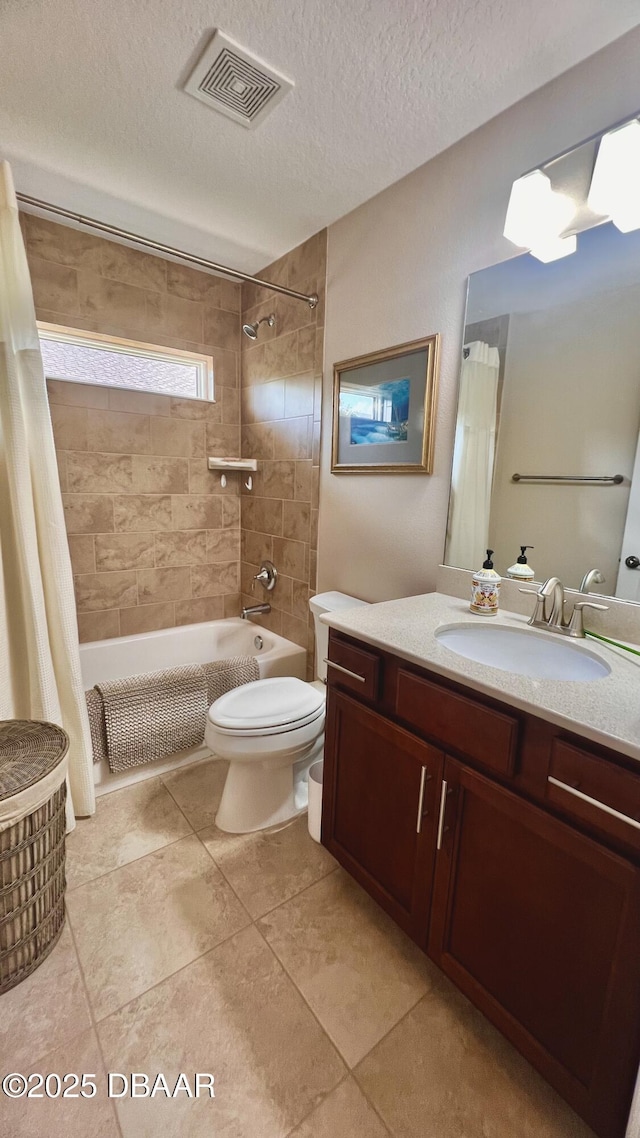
(189, 644)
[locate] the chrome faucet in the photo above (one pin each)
(593, 577)
(255, 610)
(554, 621)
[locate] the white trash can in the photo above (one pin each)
(315, 799)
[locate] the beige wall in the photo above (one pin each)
(397, 270)
(281, 408)
(154, 540)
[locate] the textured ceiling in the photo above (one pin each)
(92, 115)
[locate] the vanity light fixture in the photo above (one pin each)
(537, 215)
(553, 248)
(596, 182)
(615, 185)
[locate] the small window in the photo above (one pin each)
(88, 357)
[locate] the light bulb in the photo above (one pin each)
(615, 185)
(537, 214)
(554, 249)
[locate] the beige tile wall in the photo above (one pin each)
(281, 410)
(154, 540)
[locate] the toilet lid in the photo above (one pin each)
(281, 701)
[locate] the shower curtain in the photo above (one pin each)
(473, 454)
(39, 658)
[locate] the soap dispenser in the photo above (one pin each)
(521, 571)
(485, 589)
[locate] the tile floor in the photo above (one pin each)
(257, 959)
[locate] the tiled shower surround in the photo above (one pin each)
(281, 405)
(154, 539)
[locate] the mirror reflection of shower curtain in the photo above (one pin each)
(473, 456)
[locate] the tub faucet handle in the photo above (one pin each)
(267, 575)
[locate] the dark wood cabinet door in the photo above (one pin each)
(539, 926)
(379, 809)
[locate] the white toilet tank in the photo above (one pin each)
(327, 602)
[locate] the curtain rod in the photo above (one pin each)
(202, 262)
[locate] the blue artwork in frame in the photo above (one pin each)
(384, 406)
(380, 415)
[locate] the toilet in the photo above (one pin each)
(271, 731)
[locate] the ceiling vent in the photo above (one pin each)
(236, 83)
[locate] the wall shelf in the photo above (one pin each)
(232, 464)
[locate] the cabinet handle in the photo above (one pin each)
(443, 806)
(594, 802)
(423, 778)
(346, 672)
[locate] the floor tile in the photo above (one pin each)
(270, 866)
(445, 1072)
(198, 790)
(63, 1117)
(356, 969)
(141, 923)
(127, 825)
(236, 1014)
(43, 1011)
(345, 1113)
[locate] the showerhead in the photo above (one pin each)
(251, 330)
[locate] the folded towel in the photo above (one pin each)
(145, 717)
(150, 716)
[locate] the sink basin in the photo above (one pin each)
(526, 652)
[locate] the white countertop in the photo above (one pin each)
(606, 710)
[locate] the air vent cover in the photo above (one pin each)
(236, 83)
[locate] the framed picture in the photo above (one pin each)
(384, 410)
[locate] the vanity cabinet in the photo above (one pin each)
(382, 829)
(538, 925)
(474, 826)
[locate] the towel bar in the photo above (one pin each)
(613, 478)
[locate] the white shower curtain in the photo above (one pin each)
(39, 658)
(473, 455)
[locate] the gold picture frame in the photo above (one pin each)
(384, 410)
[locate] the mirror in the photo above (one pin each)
(550, 391)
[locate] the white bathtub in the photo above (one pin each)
(189, 644)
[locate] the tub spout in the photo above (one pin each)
(255, 610)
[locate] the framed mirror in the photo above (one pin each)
(546, 450)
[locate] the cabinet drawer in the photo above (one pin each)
(355, 669)
(595, 791)
(461, 724)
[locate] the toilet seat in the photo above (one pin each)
(267, 707)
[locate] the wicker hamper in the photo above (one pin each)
(33, 767)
